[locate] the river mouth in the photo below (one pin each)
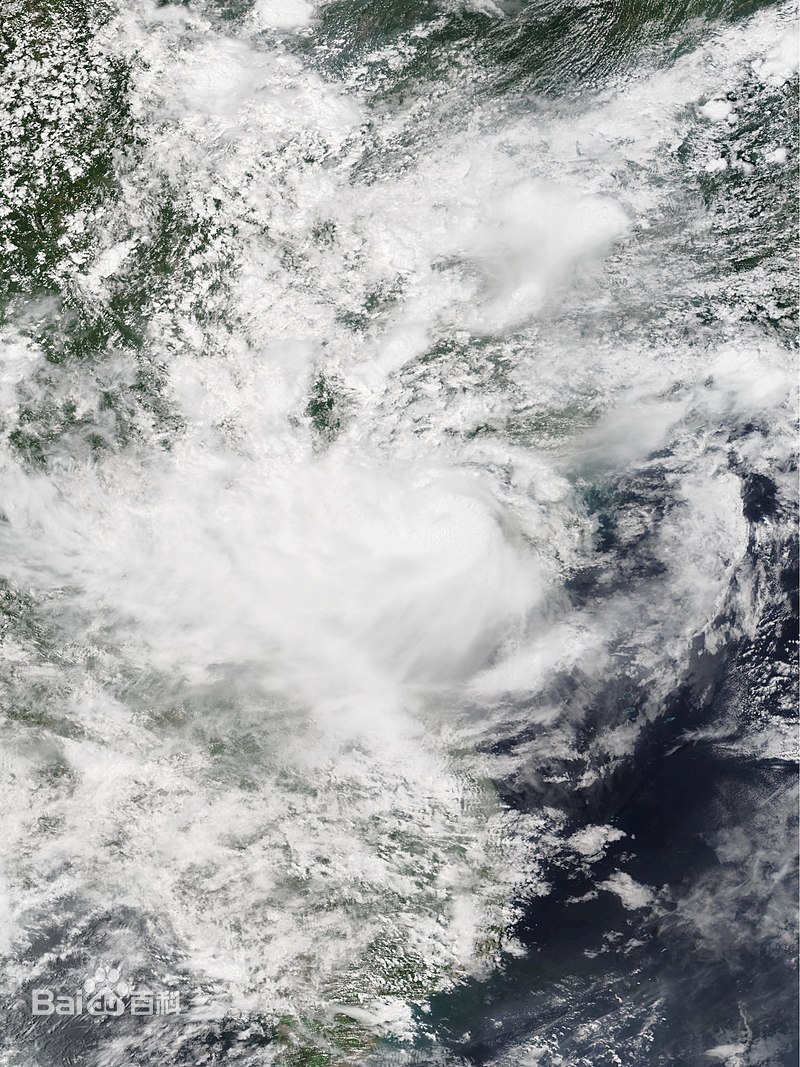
(398, 522)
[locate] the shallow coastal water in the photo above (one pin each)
(398, 533)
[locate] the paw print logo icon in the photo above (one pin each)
(105, 990)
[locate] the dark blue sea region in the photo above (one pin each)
(601, 981)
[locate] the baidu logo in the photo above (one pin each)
(106, 993)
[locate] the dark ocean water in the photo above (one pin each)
(602, 986)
